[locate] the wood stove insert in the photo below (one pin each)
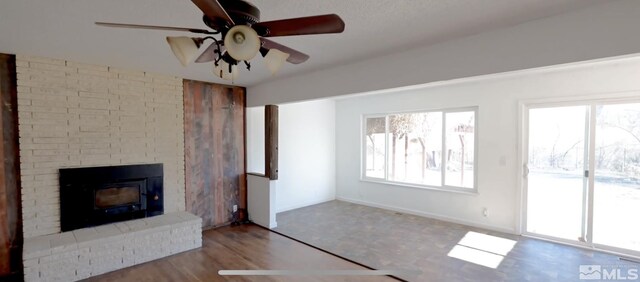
(98, 195)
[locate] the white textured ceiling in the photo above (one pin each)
(64, 29)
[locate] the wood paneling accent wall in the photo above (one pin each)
(10, 211)
(215, 166)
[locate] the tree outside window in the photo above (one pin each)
(408, 148)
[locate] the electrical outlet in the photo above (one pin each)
(235, 208)
(485, 212)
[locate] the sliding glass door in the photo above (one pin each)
(582, 174)
(556, 182)
(616, 205)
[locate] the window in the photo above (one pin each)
(431, 149)
(375, 147)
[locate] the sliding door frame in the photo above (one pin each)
(589, 101)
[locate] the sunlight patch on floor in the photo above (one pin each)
(482, 249)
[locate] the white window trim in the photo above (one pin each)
(443, 186)
(363, 149)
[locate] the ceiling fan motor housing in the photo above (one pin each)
(240, 11)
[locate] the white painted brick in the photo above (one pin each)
(30, 73)
(24, 102)
(134, 88)
(23, 115)
(55, 152)
(32, 276)
(48, 90)
(90, 84)
(132, 77)
(56, 88)
(51, 164)
(57, 272)
(43, 109)
(51, 66)
(46, 134)
(82, 273)
(162, 76)
(26, 58)
(87, 67)
(40, 97)
(21, 63)
(126, 71)
(73, 114)
(52, 116)
(101, 95)
(100, 255)
(42, 122)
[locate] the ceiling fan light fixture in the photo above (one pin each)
(242, 36)
(184, 48)
(274, 60)
(242, 42)
(222, 71)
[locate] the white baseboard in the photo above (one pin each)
(430, 215)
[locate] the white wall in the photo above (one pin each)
(261, 200)
(306, 152)
(598, 31)
(497, 98)
(255, 139)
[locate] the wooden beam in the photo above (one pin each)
(271, 141)
(10, 203)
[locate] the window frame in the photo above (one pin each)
(443, 186)
(363, 156)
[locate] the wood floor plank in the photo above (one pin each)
(245, 247)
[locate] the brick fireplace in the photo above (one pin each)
(78, 115)
(75, 115)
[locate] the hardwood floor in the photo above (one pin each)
(245, 247)
(441, 251)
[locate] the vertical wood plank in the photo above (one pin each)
(206, 152)
(5, 240)
(233, 148)
(218, 154)
(10, 200)
(240, 138)
(188, 144)
(271, 141)
(215, 169)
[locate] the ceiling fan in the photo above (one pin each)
(243, 36)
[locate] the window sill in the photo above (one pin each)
(458, 190)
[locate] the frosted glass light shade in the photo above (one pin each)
(275, 59)
(222, 71)
(184, 48)
(242, 42)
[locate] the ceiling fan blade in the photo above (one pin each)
(300, 26)
(209, 54)
(295, 57)
(194, 30)
(213, 10)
